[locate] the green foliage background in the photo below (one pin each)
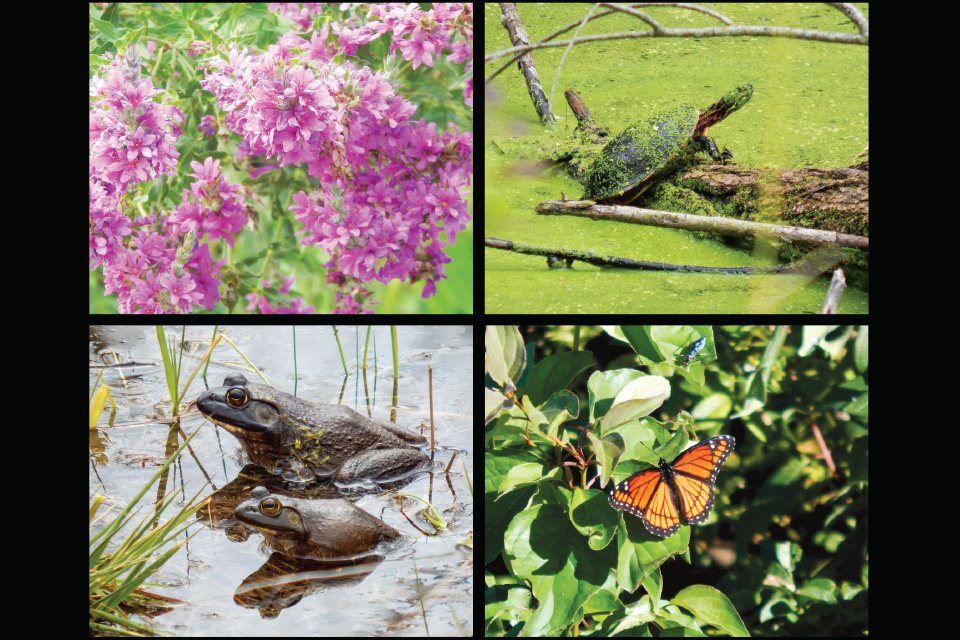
(785, 552)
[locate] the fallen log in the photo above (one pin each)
(722, 226)
(555, 255)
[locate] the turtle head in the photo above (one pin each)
(724, 107)
(731, 102)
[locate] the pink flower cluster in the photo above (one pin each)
(161, 267)
(389, 186)
(131, 141)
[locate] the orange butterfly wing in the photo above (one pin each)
(647, 496)
(676, 493)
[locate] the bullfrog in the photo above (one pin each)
(303, 441)
(313, 528)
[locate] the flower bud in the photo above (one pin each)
(132, 70)
(391, 65)
(184, 252)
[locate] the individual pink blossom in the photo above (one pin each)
(419, 48)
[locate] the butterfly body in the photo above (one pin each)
(675, 493)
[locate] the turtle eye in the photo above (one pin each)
(237, 397)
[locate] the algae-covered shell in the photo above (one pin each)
(624, 167)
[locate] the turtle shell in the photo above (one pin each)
(624, 167)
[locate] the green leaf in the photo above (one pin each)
(111, 13)
(130, 39)
(107, 30)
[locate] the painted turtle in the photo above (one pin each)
(626, 167)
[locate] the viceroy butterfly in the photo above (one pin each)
(677, 493)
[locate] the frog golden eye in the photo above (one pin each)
(237, 397)
(269, 506)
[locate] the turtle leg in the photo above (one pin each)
(710, 147)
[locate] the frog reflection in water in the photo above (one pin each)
(313, 528)
(304, 441)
